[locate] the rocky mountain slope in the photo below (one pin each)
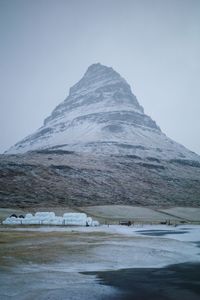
(99, 147)
(53, 178)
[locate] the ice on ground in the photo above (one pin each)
(53, 285)
(104, 248)
(121, 247)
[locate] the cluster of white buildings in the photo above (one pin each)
(49, 218)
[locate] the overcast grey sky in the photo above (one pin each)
(47, 45)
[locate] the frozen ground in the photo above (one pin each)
(53, 285)
(46, 262)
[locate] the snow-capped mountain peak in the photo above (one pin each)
(102, 115)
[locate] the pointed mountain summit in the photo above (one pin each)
(102, 115)
(98, 147)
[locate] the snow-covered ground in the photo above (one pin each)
(123, 247)
(53, 285)
(45, 262)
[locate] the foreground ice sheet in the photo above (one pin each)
(54, 286)
(121, 247)
(47, 262)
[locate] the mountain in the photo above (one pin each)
(102, 115)
(99, 147)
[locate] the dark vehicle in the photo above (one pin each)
(126, 223)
